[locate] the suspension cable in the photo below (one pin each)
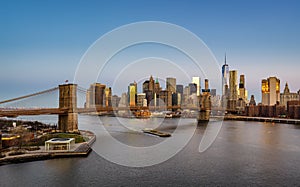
(30, 95)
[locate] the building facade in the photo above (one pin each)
(288, 96)
(270, 89)
(132, 93)
(95, 95)
(196, 80)
(225, 76)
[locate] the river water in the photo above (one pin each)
(243, 153)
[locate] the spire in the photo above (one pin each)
(151, 78)
(225, 59)
(286, 88)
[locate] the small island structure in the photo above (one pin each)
(59, 144)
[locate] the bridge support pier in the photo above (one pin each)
(68, 122)
(205, 105)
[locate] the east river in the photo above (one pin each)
(243, 154)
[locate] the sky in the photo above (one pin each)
(42, 42)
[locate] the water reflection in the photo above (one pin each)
(252, 153)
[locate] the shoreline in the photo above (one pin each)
(81, 150)
(262, 119)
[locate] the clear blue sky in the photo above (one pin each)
(41, 42)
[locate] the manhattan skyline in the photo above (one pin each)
(43, 42)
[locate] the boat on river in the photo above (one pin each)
(156, 132)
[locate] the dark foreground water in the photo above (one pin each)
(244, 153)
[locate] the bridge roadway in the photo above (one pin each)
(14, 112)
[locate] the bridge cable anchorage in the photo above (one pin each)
(30, 95)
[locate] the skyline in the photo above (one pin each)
(42, 43)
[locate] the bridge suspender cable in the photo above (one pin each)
(30, 95)
(81, 89)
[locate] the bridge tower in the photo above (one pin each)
(205, 104)
(68, 122)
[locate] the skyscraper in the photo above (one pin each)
(186, 94)
(171, 88)
(270, 89)
(146, 86)
(265, 92)
(193, 88)
(179, 89)
(94, 95)
(132, 92)
(171, 84)
(225, 74)
(196, 80)
(233, 91)
(233, 87)
(242, 89)
(107, 93)
(151, 84)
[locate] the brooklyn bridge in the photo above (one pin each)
(68, 111)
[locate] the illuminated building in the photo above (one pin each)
(270, 89)
(233, 92)
(132, 92)
(233, 87)
(242, 90)
(196, 80)
(108, 97)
